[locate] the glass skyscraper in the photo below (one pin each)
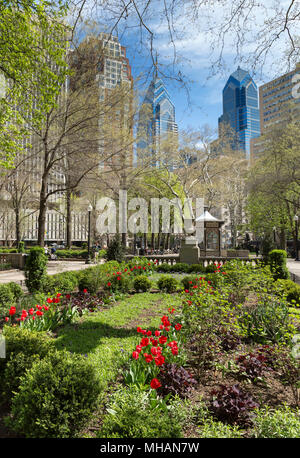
(240, 109)
(156, 123)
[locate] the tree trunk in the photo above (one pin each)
(68, 220)
(18, 232)
(42, 213)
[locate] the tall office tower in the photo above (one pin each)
(240, 110)
(103, 60)
(277, 103)
(157, 129)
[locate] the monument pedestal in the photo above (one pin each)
(189, 252)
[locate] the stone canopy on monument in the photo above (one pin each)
(211, 227)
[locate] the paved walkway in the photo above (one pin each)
(294, 269)
(53, 267)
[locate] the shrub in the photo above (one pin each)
(142, 283)
(115, 250)
(164, 267)
(282, 422)
(119, 282)
(189, 281)
(232, 405)
(290, 289)
(27, 344)
(36, 269)
(65, 282)
(7, 298)
(167, 283)
(16, 290)
(180, 267)
(90, 280)
(83, 254)
(175, 380)
(210, 268)
(56, 397)
(277, 262)
(21, 247)
(130, 415)
(196, 268)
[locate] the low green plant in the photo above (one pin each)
(167, 283)
(115, 250)
(56, 397)
(289, 289)
(131, 414)
(282, 422)
(142, 283)
(217, 430)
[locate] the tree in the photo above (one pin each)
(29, 53)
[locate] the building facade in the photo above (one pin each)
(240, 110)
(157, 129)
(278, 102)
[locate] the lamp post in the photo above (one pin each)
(88, 261)
(296, 234)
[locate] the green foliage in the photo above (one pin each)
(189, 281)
(36, 269)
(167, 283)
(210, 268)
(65, 282)
(21, 247)
(34, 52)
(56, 397)
(289, 289)
(277, 262)
(217, 430)
(282, 422)
(164, 267)
(142, 283)
(5, 266)
(6, 298)
(268, 321)
(82, 254)
(16, 290)
(130, 415)
(115, 250)
(25, 343)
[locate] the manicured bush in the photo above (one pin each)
(167, 283)
(210, 268)
(28, 344)
(115, 250)
(119, 282)
(277, 262)
(196, 268)
(56, 397)
(180, 267)
(164, 267)
(82, 254)
(142, 283)
(36, 269)
(130, 415)
(282, 422)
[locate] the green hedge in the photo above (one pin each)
(82, 254)
(277, 262)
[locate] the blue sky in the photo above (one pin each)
(197, 47)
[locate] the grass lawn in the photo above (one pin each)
(104, 336)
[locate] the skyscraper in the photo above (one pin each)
(240, 109)
(156, 126)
